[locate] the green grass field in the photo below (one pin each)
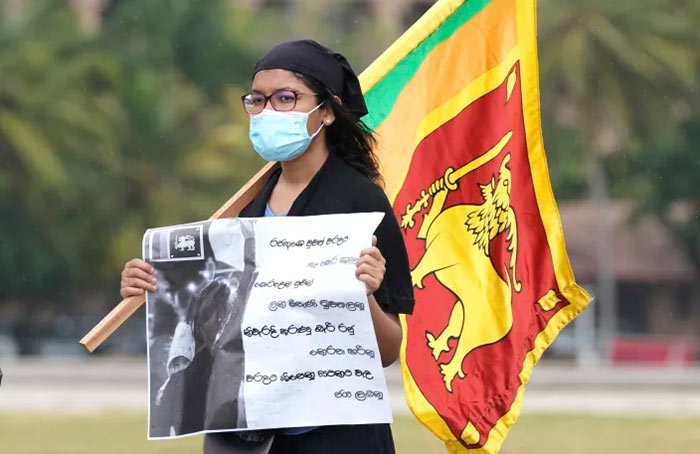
(536, 434)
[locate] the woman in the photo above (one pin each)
(305, 107)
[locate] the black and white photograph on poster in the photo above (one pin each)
(256, 318)
(204, 272)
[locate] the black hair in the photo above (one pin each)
(348, 136)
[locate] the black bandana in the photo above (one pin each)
(311, 59)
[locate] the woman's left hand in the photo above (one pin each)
(371, 267)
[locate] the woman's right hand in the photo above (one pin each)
(137, 277)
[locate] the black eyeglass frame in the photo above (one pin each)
(268, 99)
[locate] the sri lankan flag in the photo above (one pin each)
(455, 105)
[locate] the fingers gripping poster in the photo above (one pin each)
(261, 323)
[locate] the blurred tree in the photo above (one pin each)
(102, 136)
(166, 116)
(620, 89)
(49, 127)
(614, 71)
(661, 175)
(613, 74)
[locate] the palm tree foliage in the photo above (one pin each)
(620, 90)
(102, 136)
(105, 134)
(620, 65)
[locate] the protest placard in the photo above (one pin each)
(261, 323)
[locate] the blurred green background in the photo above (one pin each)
(118, 115)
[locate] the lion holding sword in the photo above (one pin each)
(457, 251)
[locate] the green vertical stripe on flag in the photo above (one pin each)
(381, 98)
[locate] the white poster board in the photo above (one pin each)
(261, 323)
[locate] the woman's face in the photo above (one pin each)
(271, 80)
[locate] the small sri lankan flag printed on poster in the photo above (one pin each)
(455, 107)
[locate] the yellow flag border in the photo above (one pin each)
(576, 295)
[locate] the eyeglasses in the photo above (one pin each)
(281, 100)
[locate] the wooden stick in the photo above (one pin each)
(128, 306)
(246, 194)
(111, 322)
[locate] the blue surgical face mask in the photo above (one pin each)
(281, 136)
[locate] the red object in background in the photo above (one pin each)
(666, 351)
